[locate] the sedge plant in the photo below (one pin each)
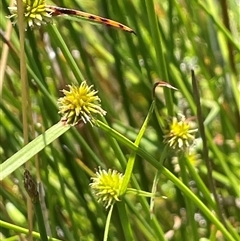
(115, 156)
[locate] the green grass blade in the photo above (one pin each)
(31, 149)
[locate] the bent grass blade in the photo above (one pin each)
(58, 11)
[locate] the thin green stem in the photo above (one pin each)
(131, 160)
(125, 221)
(40, 220)
(160, 60)
(188, 202)
(57, 37)
(18, 229)
(219, 25)
(202, 187)
(157, 177)
(206, 158)
(107, 225)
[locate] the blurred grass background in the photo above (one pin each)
(199, 35)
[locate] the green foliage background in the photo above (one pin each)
(199, 35)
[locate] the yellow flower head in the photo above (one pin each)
(79, 104)
(179, 134)
(35, 12)
(106, 186)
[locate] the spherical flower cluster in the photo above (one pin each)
(179, 134)
(80, 103)
(106, 186)
(35, 12)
